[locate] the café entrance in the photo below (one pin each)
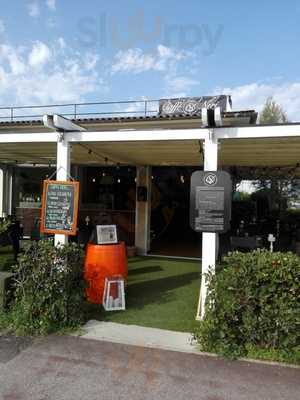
(210, 139)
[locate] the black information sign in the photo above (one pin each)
(60, 207)
(210, 202)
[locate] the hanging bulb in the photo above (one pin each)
(182, 179)
(135, 179)
(119, 180)
(103, 174)
(94, 180)
(152, 177)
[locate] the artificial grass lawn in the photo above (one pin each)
(161, 293)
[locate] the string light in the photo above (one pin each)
(90, 151)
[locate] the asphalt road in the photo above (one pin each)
(70, 368)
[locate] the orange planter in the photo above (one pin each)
(103, 261)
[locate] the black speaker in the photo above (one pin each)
(142, 193)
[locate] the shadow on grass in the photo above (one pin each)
(139, 295)
(138, 259)
(143, 270)
(157, 291)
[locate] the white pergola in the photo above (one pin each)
(145, 146)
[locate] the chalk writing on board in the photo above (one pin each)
(60, 207)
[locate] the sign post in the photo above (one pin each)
(271, 240)
(60, 207)
(210, 213)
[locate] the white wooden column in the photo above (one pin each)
(143, 211)
(63, 165)
(6, 187)
(9, 190)
(1, 192)
(209, 240)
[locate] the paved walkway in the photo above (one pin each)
(139, 336)
(71, 368)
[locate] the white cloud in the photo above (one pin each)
(133, 60)
(91, 61)
(63, 75)
(12, 57)
(51, 23)
(61, 42)
(254, 95)
(2, 26)
(137, 61)
(34, 8)
(179, 83)
(51, 4)
(169, 53)
(166, 60)
(39, 55)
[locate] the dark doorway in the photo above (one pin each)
(170, 230)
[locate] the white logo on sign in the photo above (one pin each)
(210, 179)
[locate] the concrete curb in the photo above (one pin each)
(105, 331)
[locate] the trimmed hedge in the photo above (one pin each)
(253, 302)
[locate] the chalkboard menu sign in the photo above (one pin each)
(210, 202)
(60, 207)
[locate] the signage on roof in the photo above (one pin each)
(192, 105)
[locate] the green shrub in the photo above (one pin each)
(5, 223)
(253, 302)
(49, 289)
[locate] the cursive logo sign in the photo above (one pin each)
(191, 105)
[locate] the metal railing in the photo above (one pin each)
(82, 110)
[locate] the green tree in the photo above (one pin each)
(272, 113)
(276, 182)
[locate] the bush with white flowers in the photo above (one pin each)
(48, 289)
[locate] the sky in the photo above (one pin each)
(64, 51)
